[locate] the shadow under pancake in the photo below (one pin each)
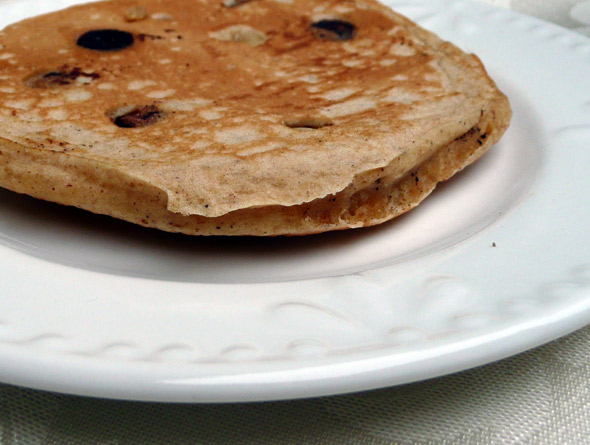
(78, 238)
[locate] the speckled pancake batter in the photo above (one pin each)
(260, 117)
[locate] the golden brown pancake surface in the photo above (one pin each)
(264, 117)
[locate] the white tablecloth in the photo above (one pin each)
(539, 397)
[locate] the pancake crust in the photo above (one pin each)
(240, 118)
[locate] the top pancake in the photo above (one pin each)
(234, 90)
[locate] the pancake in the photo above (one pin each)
(260, 117)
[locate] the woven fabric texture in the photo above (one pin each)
(539, 397)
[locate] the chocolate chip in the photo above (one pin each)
(136, 117)
(59, 77)
(105, 40)
(333, 29)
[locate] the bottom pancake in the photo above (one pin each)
(374, 197)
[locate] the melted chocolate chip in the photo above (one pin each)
(138, 117)
(333, 29)
(59, 77)
(142, 37)
(105, 40)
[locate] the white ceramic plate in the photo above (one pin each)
(495, 262)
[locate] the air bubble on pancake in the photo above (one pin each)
(94, 16)
(77, 95)
(240, 34)
(308, 122)
(400, 77)
(280, 130)
(139, 84)
(288, 2)
(30, 116)
(106, 86)
(368, 53)
(437, 76)
(210, 114)
(397, 49)
(387, 62)
(352, 106)
(164, 16)
(314, 89)
(432, 77)
(23, 104)
(135, 14)
(270, 146)
(7, 90)
(351, 63)
(301, 135)
(342, 9)
(432, 89)
(63, 51)
(338, 94)
(351, 47)
(309, 78)
(33, 129)
(6, 56)
(401, 96)
(161, 94)
(164, 61)
(184, 105)
(200, 144)
(301, 147)
(58, 115)
(130, 116)
(49, 103)
(83, 80)
(237, 135)
(395, 30)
